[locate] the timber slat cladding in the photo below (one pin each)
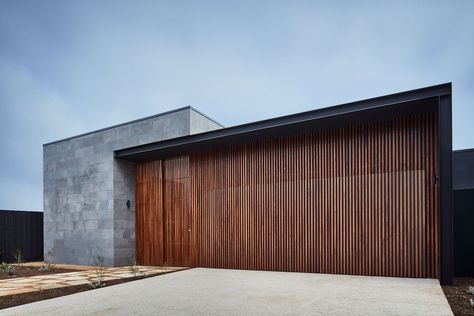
(355, 200)
(149, 213)
(177, 217)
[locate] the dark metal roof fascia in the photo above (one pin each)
(465, 150)
(346, 108)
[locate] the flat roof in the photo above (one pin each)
(402, 103)
(135, 121)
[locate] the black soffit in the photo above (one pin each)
(389, 106)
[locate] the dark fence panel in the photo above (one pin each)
(21, 230)
(463, 169)
(463, 201)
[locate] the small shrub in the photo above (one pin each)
(470, 290)
(96, 284)
(100, 273)
(10, 270)
(7, 268)
(134, 268)
(4, 266)
(48, 260)
(18, 255)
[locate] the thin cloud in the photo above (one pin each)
(67, 67)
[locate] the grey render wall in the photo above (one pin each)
(86, 189)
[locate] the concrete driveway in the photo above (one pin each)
(221, 292)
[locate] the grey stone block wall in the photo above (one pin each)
(86, 189)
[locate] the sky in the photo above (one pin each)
(68, 67)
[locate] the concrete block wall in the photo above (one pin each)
(86, 189)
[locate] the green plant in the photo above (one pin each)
(100, 273)
(134, 268)
(48, 260)
(7, 268)
(18, 255)
(4, 266)
(470, 290)
(10, 269)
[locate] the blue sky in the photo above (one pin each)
(67, 67)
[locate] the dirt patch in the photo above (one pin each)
(25, 298)
(26, 271)
(457, 296)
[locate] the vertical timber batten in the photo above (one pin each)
(163, 201)
(149, 213)
(359, 199)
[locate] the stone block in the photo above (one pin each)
(86, 189)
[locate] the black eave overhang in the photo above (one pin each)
(403, 103)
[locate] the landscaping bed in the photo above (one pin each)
(27, 271)
(25, 298)
(458, 297)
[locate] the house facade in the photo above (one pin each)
(86, 189)
(361, 188)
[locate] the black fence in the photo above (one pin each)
(463, 202)
(21, 230)
(463, 210)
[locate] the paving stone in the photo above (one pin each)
(18, 291)
(21, 281)
(72, 283)
(44, 282)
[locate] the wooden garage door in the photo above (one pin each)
(362, 199)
